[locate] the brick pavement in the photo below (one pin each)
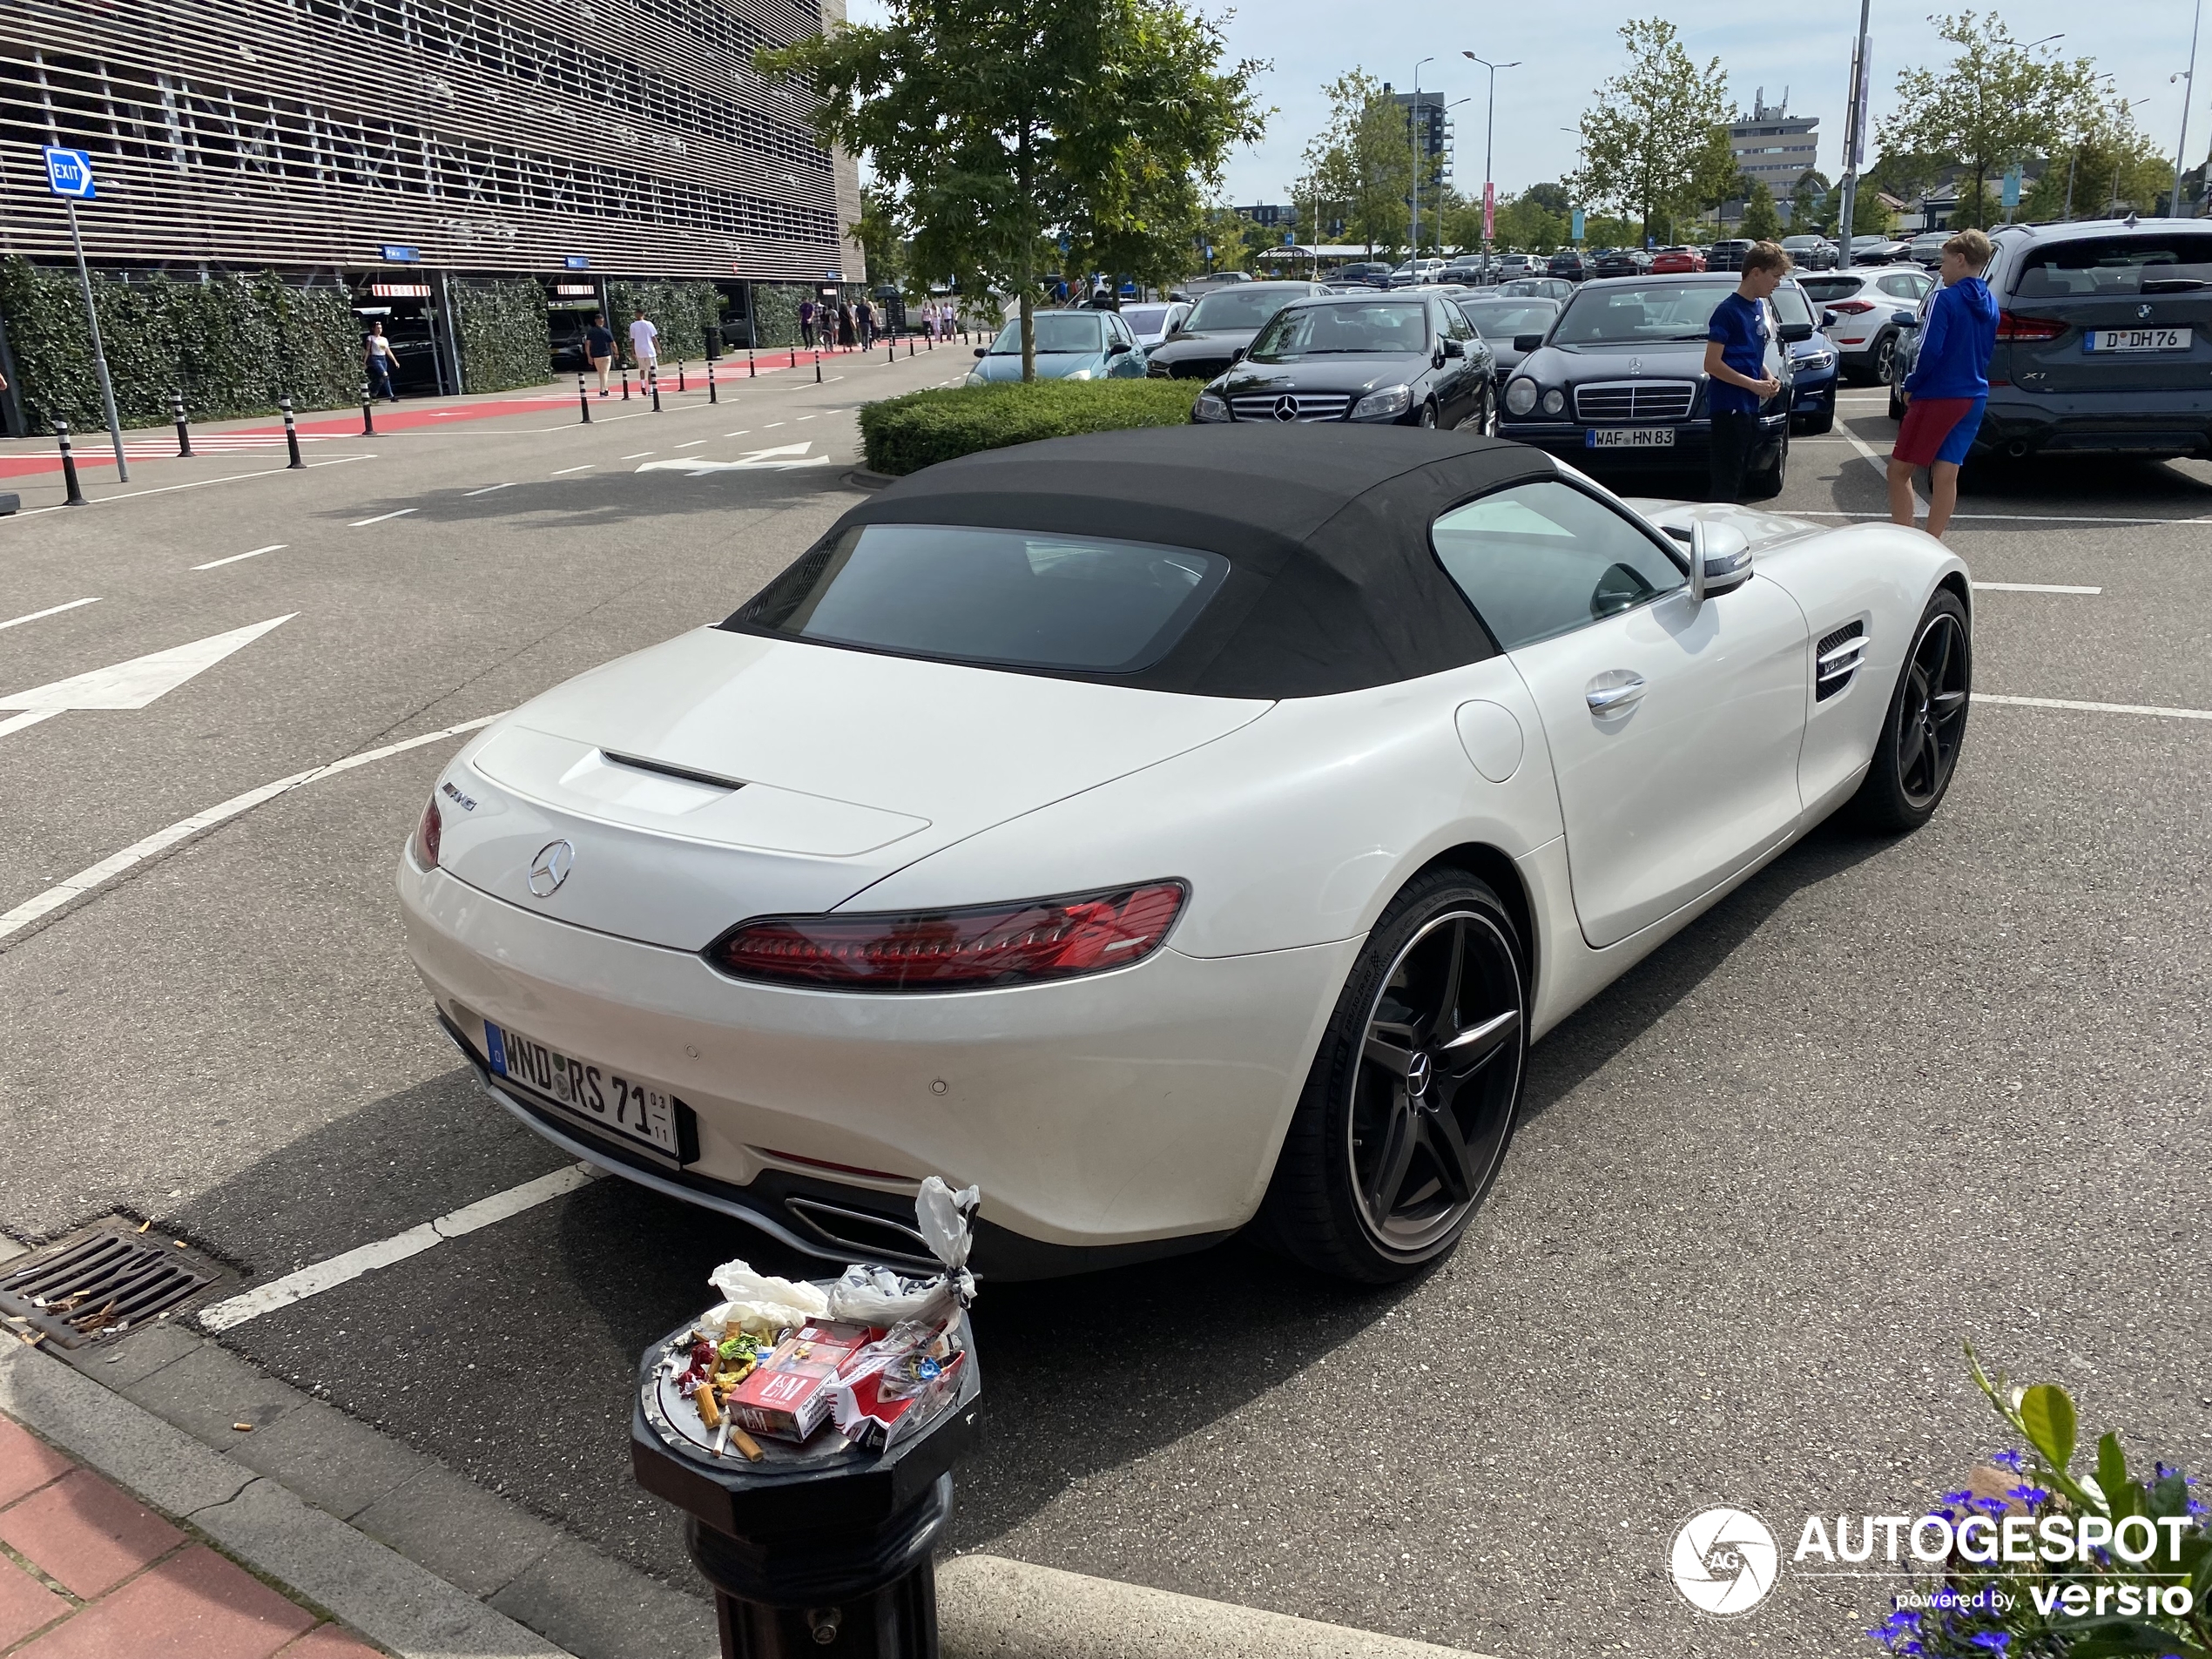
(88, 1572)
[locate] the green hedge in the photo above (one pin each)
(233, 346)
(775, 312)
(903, 435)
(506, 336)
(683, 311)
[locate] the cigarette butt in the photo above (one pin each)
(709, 1414)
(34, 1339)
(243, 1428)
(147, 1223)
(747, 1445)
(179, 1243)
(723, 1438)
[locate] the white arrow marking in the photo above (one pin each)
(132, 684)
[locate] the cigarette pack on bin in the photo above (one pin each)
(783, 1398)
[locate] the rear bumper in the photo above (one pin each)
(2151, 424)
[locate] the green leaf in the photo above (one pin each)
(2046, 1413)
(2112, 1477)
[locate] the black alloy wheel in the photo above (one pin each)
(1489, 427)
(1428, 415)
(1413, 1098)
(1918, 751)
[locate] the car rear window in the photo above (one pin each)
(1018, 598)
(1057, 331)
(1821, 290)
(1240, 308)
(2115, 264)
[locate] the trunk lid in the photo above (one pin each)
(721, 776)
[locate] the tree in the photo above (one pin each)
(1713, 173)
(1644, 141)
(1236, 242)
(1760, 222)
(880, 237)
(997, 125)
(1808, 197)
(1995, 104)
(1529, 220)
(1362, 161)
(2110, 164)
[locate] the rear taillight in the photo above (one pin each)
(1850, 307)
(966, 949)
(2013, 328)
(428, 834)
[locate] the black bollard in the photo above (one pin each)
(818, 368)
(183, 430)
(794, 357)
(625, 383)
(69, 465)
(583, 403)
(291, 435)
(809, 1551)
(369, 420)
(680, 373)
(710, 383)
(652, 379)
(751, 369)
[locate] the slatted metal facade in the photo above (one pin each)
(492, 135)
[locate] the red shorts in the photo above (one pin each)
(1930, 432)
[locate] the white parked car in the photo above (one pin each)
(1153, 321)
(1163, 829)
(1867, 302)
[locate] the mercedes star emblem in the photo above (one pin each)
(1417, 1074)
(1286, 408)
(1636, 366)
(550, 867)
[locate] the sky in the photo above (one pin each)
(1568, 47)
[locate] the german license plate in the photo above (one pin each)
(1628, 437)
(2109, 339)
(637, 1110)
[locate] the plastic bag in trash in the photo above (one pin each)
(761, 1302)
(943, 1217)
(878, 1297)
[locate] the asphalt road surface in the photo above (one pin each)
(1891, 1096)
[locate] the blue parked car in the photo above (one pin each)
(1813, 407)
(1071, 346)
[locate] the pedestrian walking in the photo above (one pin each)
(600, 347)
(806, 323)
(845, 325)
(382, 363)
(1948, 389)
(1735, 344)
(864, 320)
(644, 344)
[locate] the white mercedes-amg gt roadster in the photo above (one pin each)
(1167, 831)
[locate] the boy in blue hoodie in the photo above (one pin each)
(1949, 385)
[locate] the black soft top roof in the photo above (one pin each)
(1332, 584)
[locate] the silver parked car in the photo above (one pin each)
(1867, 305)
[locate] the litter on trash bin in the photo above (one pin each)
(877, 1353)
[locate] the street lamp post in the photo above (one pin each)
(2188, 91)
(1489, 132)
(1414, 128)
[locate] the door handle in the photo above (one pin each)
(1614, 690)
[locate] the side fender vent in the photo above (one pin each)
(1836, 660)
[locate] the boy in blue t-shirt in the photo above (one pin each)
(1736, 378)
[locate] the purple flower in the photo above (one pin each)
(2199, 1507)
(1990, 1506)
(1965, 1494)
(2008, 1460)
(1992, 1640)
(2032, 1496)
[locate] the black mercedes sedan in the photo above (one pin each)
(1220, 325)
(1505, 321)
(1403, 360)
(1618, 383)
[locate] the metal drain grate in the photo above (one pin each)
(85, 1288)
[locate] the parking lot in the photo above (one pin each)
(1890, 1097)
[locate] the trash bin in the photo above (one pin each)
(817, 1543)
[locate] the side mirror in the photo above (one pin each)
(1720, 560)
(1237, 354)
(1906, 320)
(1118, 349)
(1527, 342)
(1827, 321)
(1793, 332)
(982, 351)
(1454, 349)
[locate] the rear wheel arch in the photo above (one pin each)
(1955, 581)
(1486, 863)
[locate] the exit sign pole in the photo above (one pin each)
(68, 175)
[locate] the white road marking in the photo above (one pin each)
(98, 875)
(2095, 708)
(746, 434)
(380, 517)
(273, 547)
(366, 1259)
(2033, 587)
(640, 455)
(805, 417)
(1881, 464)
(565, 471)
(693, 444)
(197, 483)
(134, 684)
(50, 611)
(774, 423)
(487, 489)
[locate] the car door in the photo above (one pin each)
(1673, 726)
(1455, 381)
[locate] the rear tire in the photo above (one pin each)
(1414, 1091)
(1765, 485)
(1814, 424)
(1917, 755)
(1881, 357)
(1428, 415)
